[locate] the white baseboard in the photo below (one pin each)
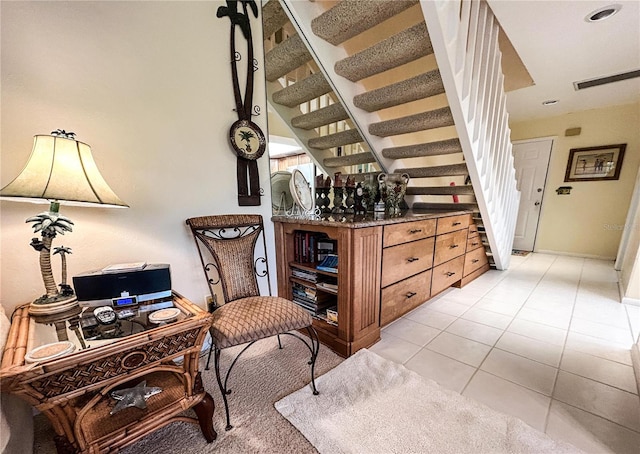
(575, 254)
(630, 301)
(635, 359)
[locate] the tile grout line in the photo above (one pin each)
(564, 346)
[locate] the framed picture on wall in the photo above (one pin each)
(595, 163)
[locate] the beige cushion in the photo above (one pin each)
(254, 318)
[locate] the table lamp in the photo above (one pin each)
(60, 170)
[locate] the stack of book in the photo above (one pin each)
(308, 299)
(311, 247)
(307, 275)
(329, 264)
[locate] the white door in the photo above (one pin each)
(531, 161)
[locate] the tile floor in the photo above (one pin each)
(547, 341)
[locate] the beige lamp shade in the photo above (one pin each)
(61, 169)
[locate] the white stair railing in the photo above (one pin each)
(464, 35)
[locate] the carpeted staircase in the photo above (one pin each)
(385, 104)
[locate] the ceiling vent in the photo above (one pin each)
(606, 80)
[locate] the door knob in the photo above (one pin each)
(537, 203)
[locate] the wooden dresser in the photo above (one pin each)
(386, 267)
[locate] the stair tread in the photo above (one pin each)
(436, 171)
(335, 140)
(421, 86)
(309, 88)
(431, 119)
(285, 57)
(440, 190)
(424, 206)
(320, 117)
(441, 147)
(349, 160)
(273, 18)
(350, 18)
(406, 46)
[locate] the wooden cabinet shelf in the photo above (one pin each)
(386, 268)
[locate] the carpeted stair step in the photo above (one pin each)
(442, 147)
(424, 206)
(419, 122)
(440, 190)
(284, 58)
(418, 87)
(349, 160)
(436, 171)
(351, 17)
(406, 46)
(320, 117)
(273, 18)
(305, 90)
(338, 139)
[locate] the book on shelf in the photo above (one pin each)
(311, 247)
(304, 274)
(329, 264)
(327, 286)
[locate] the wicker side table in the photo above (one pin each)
(73, 391)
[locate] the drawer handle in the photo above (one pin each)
(411, 294)
(450, 273)
(453, 246)
(415, 231)
(475, 244)
(456, 223)
(412, 259)
(475, 261)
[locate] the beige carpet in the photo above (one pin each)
(372, 405)
(261, 377)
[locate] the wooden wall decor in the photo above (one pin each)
(247, 139)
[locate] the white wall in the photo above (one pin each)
(590, 220)
(148, 86)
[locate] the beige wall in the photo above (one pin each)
(148, 86)
(588, 222)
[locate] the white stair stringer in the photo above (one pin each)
(301, 14)
(301, 136)
(464, 36)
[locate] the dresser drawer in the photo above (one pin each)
(408, 231)
(473, 230)
(474, 260)
(446, 274)
(449, 246)
(474, 242)
(452, 223)
(404, 260)
(400, 298)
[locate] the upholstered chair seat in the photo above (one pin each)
(254, 318)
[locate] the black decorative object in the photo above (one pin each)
(247, 140)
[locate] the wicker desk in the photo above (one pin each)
(73, 390)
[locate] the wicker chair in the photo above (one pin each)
(231, 259)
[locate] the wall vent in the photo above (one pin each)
(606, 80)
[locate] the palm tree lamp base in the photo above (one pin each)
(46, 305)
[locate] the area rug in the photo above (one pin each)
(372, 405)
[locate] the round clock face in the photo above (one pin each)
(247, 139)
(301, 190)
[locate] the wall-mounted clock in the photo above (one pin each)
(247, 139)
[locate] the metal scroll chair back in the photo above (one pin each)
(227, 248)
(232, 248)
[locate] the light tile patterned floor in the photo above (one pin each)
(547, 341)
